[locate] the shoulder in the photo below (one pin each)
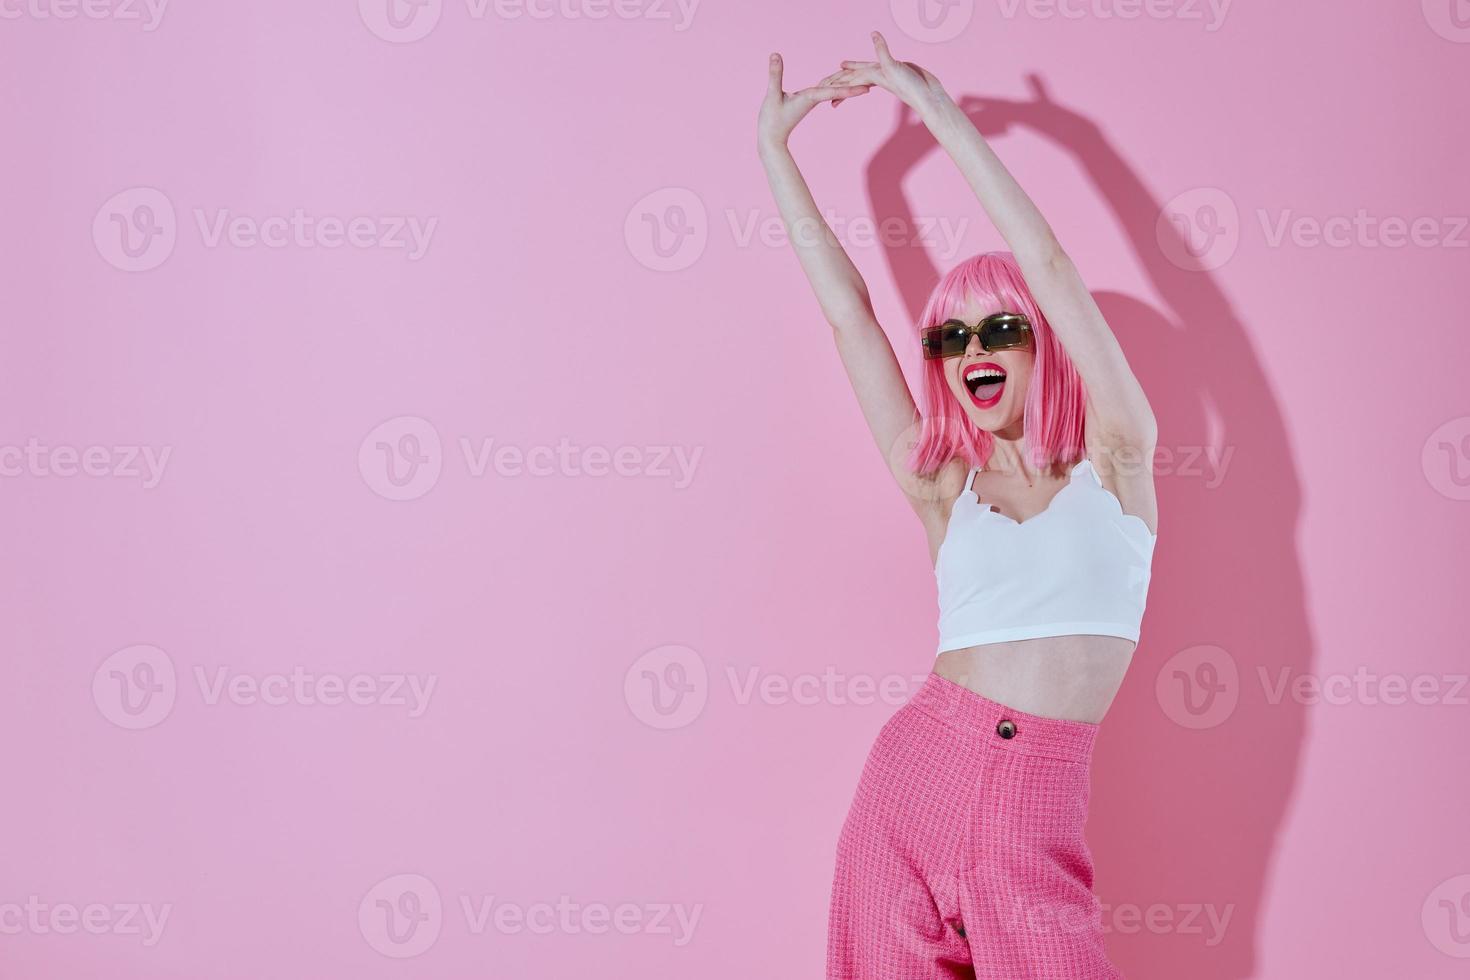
(932, 498)
(933, 495)
(1125, 469)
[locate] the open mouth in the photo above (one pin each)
(986, 381)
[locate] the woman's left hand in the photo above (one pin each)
(915, 86)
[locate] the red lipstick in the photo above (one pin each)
(993, 389)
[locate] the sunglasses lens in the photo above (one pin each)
(1004, 335)
(954, 339)
(945, 341)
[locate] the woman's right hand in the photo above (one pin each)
(781, 112)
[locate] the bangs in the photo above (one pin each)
(955, 307)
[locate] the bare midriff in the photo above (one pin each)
(1072, 677)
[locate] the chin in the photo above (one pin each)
(995, 418)
(994, 425)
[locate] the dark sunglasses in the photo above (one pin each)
(999, 331)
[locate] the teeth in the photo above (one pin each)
(986, 373)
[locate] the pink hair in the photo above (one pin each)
(1055, 410)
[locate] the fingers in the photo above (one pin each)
(885, 58)
(871, 75)
(847, 80)
(829, 81)
(821, 93)
(836, 87)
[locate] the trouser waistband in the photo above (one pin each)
(1003, 726)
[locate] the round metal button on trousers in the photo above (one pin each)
(1006, 728)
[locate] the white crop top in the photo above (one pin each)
(1080, 566)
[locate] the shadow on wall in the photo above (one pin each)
(1195, 763)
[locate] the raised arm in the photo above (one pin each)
(882, 393)
(1118, 413)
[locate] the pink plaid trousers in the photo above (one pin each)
(963, 852)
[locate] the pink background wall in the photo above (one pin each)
(581, 684)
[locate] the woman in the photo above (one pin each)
(1029, 455)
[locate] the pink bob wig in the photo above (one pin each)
(1052, 420)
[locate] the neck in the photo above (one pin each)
(1008, 453)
